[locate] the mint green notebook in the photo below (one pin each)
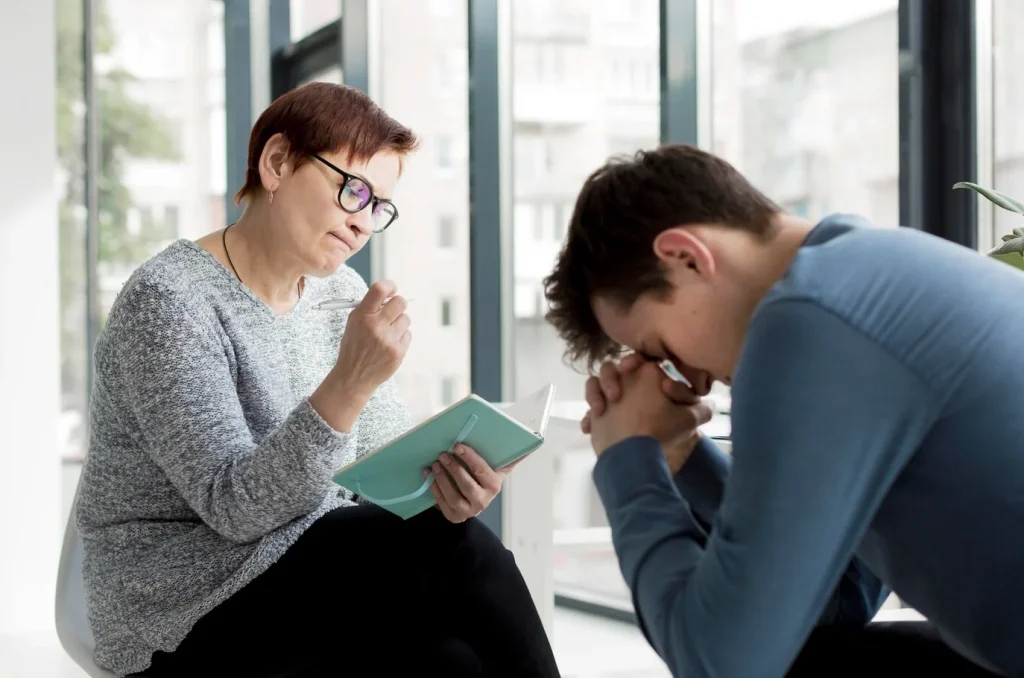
(392, 476)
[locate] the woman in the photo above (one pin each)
(215, 542)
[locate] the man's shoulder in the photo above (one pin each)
(856, 270)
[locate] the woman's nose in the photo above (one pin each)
(361, 222)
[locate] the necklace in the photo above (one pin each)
(224, 242)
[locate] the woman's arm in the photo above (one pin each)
(179, 389)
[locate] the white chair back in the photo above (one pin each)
(72, 619)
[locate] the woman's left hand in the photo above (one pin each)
(464, 484)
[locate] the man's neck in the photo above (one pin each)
(260, 261)
(767, 262)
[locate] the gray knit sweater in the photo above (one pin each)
(206, 461)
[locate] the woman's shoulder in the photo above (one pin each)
(178, 280)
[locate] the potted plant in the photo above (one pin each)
(1011, 250)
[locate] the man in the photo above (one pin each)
(876, 424)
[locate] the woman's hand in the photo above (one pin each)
(374, 344)
(464, 484)
(376, 339)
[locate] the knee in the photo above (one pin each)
(455, 658)
(469, 540)
(485, 546)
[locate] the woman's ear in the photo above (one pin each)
(275, 162)
(682, 248)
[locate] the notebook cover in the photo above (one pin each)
(396, 469)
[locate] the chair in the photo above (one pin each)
(70, 611)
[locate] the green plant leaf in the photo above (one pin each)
(1001, 199)
(1014, 246)
(1013, 259)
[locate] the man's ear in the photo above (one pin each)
(680, 247)
(275, 161)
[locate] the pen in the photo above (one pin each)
(341, 304)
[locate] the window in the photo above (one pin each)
(547, 221)
(171, 220)
(422, 259)
(157, 155)
(562, 217)
(563, 143)
(798, 208)
(446, 231)
(451, 70)
(442, 8)
(445, 152)
(308, 16)
(788, 128)
(1008, 101)
(446, 311)
(162, 168)
(71, 209)
(447, 391)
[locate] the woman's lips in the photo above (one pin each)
(342, 240)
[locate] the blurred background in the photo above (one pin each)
(826, 106)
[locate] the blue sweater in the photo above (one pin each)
(877, 426)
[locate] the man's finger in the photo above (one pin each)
(679, 393)
(376, 295)
(610, 382)
(585, 424)
(630, 363)
(594, 396)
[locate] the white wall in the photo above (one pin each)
(30, 503)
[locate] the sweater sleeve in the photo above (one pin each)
(817, 445)
(702, 481)
(181, 393)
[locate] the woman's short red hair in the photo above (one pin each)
(321, 117)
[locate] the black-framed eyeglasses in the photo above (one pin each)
(356, 194)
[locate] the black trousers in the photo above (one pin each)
(363, 593)
(881, 649)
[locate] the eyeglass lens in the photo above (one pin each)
(355, 195)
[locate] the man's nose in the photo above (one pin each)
(700, 380)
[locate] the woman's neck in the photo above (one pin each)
(262, 261)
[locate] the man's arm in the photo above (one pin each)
(702, 480)
(823, 422)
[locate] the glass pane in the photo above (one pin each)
(332, 75)
(72, 217)
(805, 102)
(160, 89)
(309, 15)
(585, 86)
(426, 252)
(1008, 101)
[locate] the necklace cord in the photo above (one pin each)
(224, 243)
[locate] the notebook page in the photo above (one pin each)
(532, 410)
